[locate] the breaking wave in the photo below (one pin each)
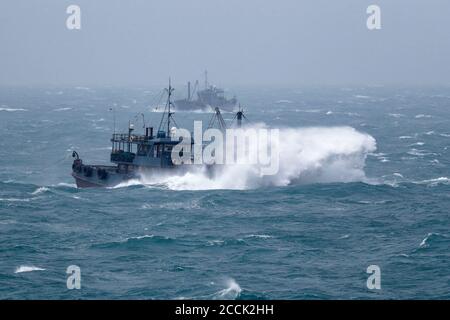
(306, 155)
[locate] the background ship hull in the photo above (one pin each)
(185, 105)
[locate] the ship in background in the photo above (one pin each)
(209, 98)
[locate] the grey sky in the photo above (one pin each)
(279, 42)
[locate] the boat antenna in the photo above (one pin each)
(113, 109)
(206, 79)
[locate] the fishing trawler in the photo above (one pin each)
(134, 154)
(210, 97)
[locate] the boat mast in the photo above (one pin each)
(239, 116)
(206, 79)
(169, 102)
(167, 108)
(217, 116)
(189, 91)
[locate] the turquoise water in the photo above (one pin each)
(364, 180)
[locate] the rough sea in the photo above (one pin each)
(363, 180)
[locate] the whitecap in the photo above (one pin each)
(215, 242)
(16, 199)
(380, 156)
(393, 184)
(83, 88)
(5, 222)
(193, 204)
(40, 190)
(396, 115)
(68, 185)
(25, 268)
(145, 236)
(261, 236)
(420, 143)
(419, 116)
(311, 110)
(12, 109)
(424, 241)
(231, 292)
(420, 153)
(128, 183)
(435, 182)
(283, 101)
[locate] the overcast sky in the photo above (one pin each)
(256, 42)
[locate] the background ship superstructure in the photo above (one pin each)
(208, 98)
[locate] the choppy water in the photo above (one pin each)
(337, 206)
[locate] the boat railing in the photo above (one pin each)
(125, 137)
